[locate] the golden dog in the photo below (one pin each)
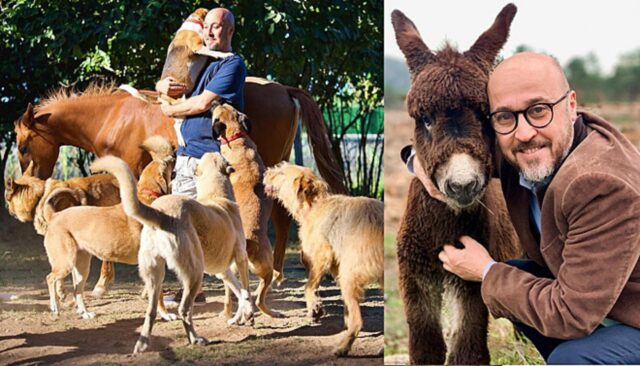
(190, 237)
(77, 233)
(26, 195)
(255, 207)
(340, 234)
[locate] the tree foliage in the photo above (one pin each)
(331, 48)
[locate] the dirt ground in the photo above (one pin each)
(29, 335)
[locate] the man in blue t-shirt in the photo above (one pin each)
(221, 80)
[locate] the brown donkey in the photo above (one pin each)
(448, 101)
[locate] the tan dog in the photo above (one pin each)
(190, 237)
(77, 233)
(255, 207)
(340, 234)
(26, 195)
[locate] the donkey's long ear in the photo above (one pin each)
(415, 51)
(487, 46)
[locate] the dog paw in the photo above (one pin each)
(141, 345)
(98, 292)
(169, 317)
(200, 341)
(341, 351)
(225, 314)
(316, 312)
(88, 315)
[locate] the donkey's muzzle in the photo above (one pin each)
(463, 192)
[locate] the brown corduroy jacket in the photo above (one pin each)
(589, 240)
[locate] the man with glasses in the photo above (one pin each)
(572, 186)
(221, 80)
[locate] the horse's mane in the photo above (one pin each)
(94, 89)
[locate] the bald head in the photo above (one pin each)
(219, 26)
(223, 14)
(529, 66)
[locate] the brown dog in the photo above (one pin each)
(77, 233)
(340, 234)
(255, 207)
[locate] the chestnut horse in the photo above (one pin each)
(105, 121)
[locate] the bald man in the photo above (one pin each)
(221, 80)
(572, 186)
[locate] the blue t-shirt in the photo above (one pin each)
(226, 79)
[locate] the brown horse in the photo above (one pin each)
(105, 121)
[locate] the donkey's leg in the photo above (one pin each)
(107, 276)
(422, 297)
(281, 221)
(469, 336)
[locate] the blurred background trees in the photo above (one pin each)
(331, 48)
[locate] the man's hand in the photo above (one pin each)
(167, 110)
(426, 181)
(171, 87)
(467, 263)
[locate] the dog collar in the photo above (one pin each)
(195, 20)
(194, 25)
(151, 193)
(233, 137)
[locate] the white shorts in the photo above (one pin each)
(184, 182)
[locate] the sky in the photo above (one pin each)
(562, 28)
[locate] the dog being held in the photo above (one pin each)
(190, 237)
(240, 151)
(187, 53)
(339, 234)
(25, 196)
(77, 233)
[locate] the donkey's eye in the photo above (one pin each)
(424, 120)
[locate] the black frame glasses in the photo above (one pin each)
(527, 113)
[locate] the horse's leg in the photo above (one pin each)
(281, 221)
(107, 276)
(469, 336)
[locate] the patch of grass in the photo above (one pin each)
(504, 347)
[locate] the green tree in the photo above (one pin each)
(331, 48)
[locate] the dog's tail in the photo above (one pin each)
(59, 199)
(128, 190)
(159, 148)
(135, 93)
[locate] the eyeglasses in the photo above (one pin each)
(538, 115)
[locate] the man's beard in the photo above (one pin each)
(537, 170)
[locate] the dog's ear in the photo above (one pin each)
(245, 122)
(9, 186)
(29, 170)
(307, 189)
(219, 128)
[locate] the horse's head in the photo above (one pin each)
(448, 101)
(35, 143)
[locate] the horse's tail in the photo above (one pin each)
(158, 147)
(128, 191)
(312, 118)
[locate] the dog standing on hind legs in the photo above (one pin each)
(448, 102)
(339, 234)
(238, 149)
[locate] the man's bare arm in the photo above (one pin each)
(194, 105)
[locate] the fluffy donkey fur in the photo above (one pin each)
(448, 101)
